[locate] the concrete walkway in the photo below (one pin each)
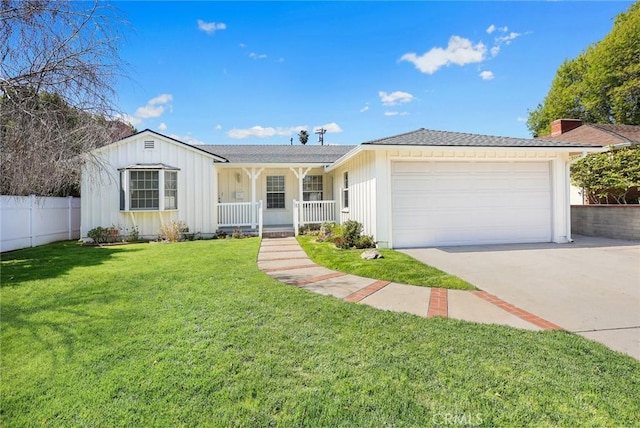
(284, 260)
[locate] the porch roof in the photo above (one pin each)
(277, 154)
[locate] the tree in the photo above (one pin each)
(303, 136)
(608, 177)
(601, 85)
(58, 61)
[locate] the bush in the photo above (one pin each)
(173, 230)
(101, 235)
(237, 234)
(351, 231)
(365, 241)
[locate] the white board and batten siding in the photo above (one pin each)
(362, 191)
(420, 198)
(197, 192)
(464, 203)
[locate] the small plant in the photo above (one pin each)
(133, 235)
(237, 234)
(173, 230)
(328, 231)
(220, 234)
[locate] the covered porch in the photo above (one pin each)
(278, 198)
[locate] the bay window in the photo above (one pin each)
(148, 188)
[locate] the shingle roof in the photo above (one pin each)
(277, 153)
(603, 134)
(428, 137)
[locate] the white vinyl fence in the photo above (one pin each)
(29, 221)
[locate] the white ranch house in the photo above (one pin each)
(422, 188)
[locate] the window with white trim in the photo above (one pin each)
(275, 191)
(144, 190)
(147, 189)
(345, 190)
(170, 190)
(312, 188)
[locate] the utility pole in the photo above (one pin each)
(321, 133)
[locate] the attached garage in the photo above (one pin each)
(462, 203)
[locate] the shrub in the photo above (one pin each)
(365, 241)
(351, 231)
(101, 235)
(173, 230)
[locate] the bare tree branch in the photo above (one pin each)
(59, 62)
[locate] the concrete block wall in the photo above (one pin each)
(607, 221)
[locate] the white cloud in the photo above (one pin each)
(218, 127)
(508, 38)
(521, 119)
(459, 51)
(254, 55)
(211, 27)
(155, 107)
(242, 45)
(261, 132)
(365, 108)
(491, 29)
(132, 120)
(487, 75)
(395, 98)
(331, 128)
(495, 51)
(162, 126)
(395, 113)
(188, 139)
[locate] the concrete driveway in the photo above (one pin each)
(590, 287)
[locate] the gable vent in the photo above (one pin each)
(149, 144)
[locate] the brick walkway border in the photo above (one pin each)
(289, 268)
(438, 303)
(520, 313)
(308, 281)
(366, 291)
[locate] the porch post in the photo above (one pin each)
(253, 175)
(300, 175)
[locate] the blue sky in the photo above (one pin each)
(257, 73)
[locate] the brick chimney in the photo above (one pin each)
(560, 126)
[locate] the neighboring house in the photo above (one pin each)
(573, 130)
(422, 188)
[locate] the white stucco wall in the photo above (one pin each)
(197, 187)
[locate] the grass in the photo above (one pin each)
(192, 334)
(394, 267)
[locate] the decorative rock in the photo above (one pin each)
(371, 254)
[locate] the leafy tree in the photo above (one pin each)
(601, 85)
(58, 60)
(608, 177)
(303, 136)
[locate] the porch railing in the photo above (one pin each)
(237, 214)
(310, 212)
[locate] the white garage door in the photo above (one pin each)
(464, 203)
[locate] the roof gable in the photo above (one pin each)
(428, 137)
(153, 134)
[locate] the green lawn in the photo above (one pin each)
(193, 334)
(394, 267)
